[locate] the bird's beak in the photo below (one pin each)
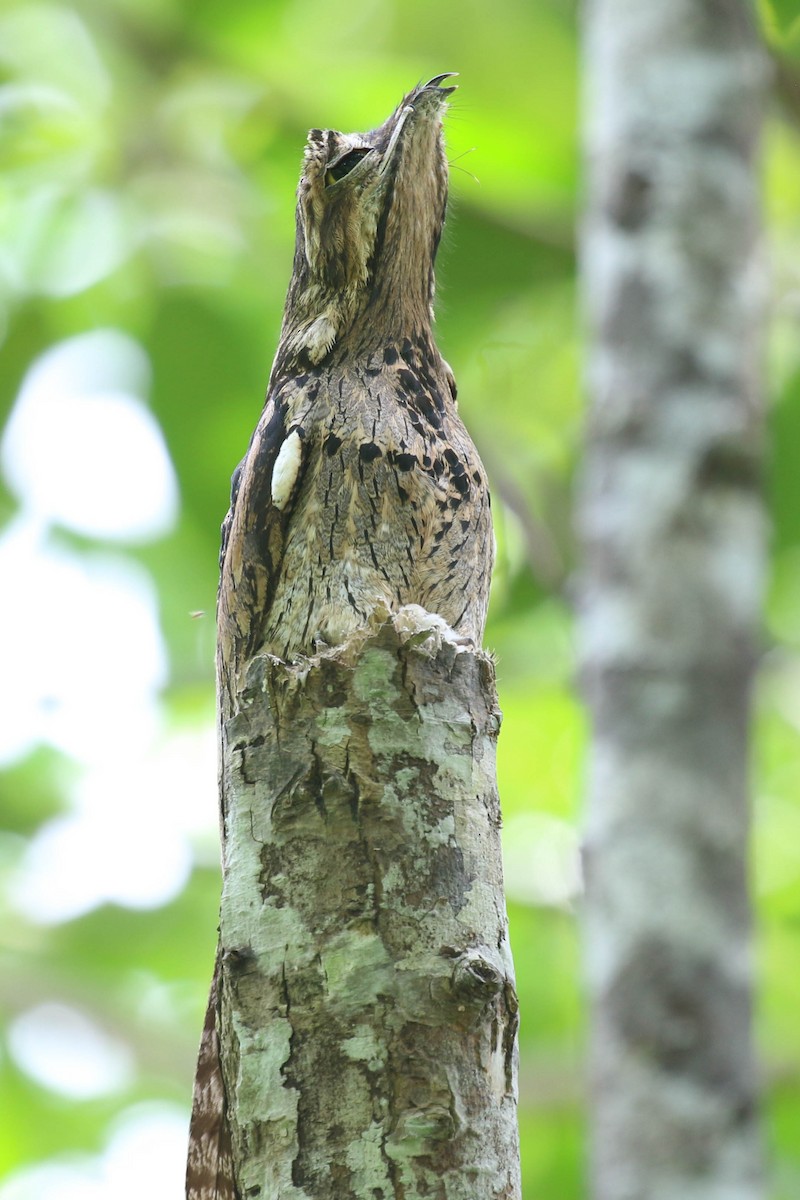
(431, 85)
(437, 79)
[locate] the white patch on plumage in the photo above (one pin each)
(285, 471)
(319, 337)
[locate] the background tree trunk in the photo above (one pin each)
(673, 528)
(368, 1007)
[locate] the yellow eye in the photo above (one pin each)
(345, 165)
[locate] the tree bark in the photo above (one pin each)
(672, 522)
(368, 1007)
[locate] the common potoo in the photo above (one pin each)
(361, 489)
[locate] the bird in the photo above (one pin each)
(361, 490)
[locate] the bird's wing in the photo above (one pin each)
(264, 489)
(209, 1166)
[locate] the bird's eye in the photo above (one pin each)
(345, 165)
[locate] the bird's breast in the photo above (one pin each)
(384, 517)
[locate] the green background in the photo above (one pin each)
(149, 152)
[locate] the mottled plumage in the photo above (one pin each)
(361, 488)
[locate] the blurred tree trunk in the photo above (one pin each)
(368, 1017)
(674, 535)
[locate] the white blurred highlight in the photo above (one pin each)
(80, 634)
(82, 450)
(145, 1156)
(129, 839)
(80, 638)
(66, 1052)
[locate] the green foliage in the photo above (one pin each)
(781, 19)
(150, 151)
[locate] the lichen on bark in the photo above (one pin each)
(368, 1006)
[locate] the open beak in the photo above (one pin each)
(437, 79)
(431, 85)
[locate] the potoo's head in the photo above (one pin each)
(370, 211)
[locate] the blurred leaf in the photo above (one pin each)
(783, 469)
(780, 16)
(32, 791)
